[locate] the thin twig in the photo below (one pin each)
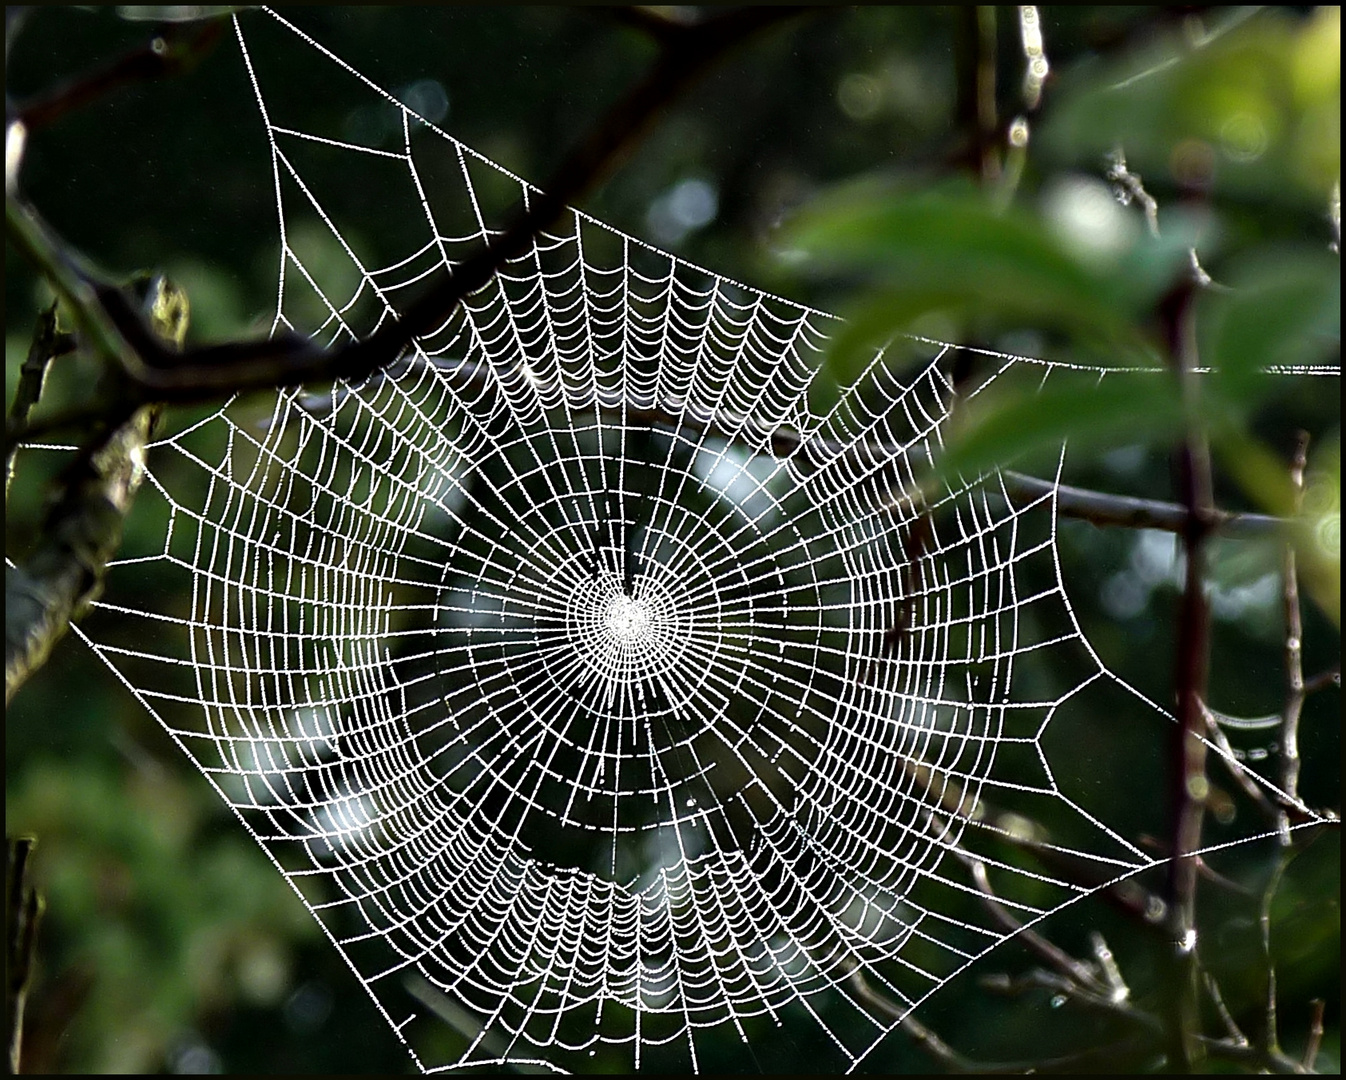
(1256, 1057)
(1036, 67)
(1324, 679)
(97, 331)
(1269, 1042)
(1188, 754)
(1107, 964)
(1294, 648)
(1036, 70)
(1129, 188)
(975, 74)
(1026, 834)
(940, 1051)
(1315, 1034)
(1229, 759)
(176, 50)
(1222, 1010)
(1073, 991)
(1204, 870)
(23, 914)
(952, 1061)
(1077, 972)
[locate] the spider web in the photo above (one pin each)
(593, 689)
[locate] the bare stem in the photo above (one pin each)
(1188, 756)
(1130, 188)
(216, 372)
(1269, 1042)
(1052, 953)
(1253, 1058)
(73, 285)
(1294, 649)
(1036, 69)
(1102, 508)
(1226, 1017)
(1315, 1034)
(1041, 979)
(1249, 786)
(949, 1059)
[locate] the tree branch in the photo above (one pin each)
(82, 528)
(49, 342)
(1053, 954)
(952, 1061)
(75, 286)
(1269, 1038)
(1071, 989)
(1233, 1031)
(1246, 783)
(1254, 1057)
(1036, 69)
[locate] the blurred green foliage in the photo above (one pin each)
(955, 253)
(1252, 108)
(170, 943)
(1247, 113)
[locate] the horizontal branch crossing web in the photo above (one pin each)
(594, 690)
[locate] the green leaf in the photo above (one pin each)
(1281, 308)
(951, 252)
(996, 429)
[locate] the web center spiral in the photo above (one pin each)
(626, 638)
(627, 620)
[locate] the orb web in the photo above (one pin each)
(594, 691)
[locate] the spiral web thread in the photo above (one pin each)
(586, 712)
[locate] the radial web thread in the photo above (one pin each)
(594, 689)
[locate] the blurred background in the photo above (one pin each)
(170, 943)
